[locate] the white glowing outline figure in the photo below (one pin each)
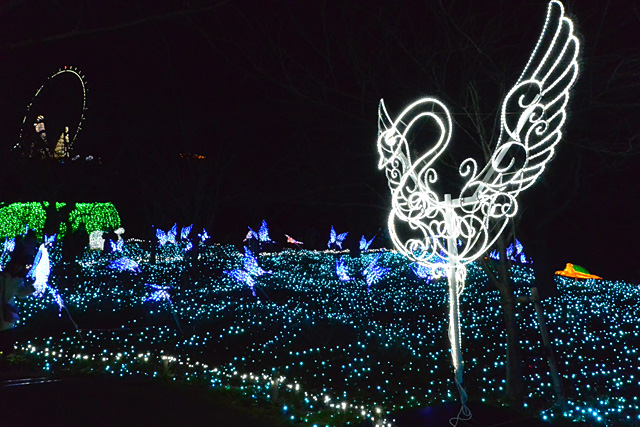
(83, 86)
(532, 116)
(40, 272)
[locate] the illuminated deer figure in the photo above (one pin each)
(428, 227)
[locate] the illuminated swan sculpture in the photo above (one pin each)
(430, 228)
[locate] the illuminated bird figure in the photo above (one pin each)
(424, 223)
(293, 241)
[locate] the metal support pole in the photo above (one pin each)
(454, 307)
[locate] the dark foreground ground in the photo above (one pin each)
(31, 398)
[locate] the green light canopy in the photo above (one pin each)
(95, 216)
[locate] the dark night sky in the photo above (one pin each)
(281, 97)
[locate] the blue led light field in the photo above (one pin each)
(330, 351)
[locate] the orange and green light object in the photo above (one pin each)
(576, 272)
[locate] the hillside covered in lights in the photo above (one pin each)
(319, 335)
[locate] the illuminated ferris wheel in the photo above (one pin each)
(54, 116)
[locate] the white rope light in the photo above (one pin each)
(459, 230)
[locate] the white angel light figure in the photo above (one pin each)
(460, 228)
(40, 271)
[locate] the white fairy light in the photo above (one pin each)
(461, 229)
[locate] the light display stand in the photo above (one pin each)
(455, 271)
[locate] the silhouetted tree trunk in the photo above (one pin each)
(499, 276)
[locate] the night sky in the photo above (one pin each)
(281, 98)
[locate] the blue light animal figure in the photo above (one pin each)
(117, 246)
(243, 276)
(341, 270)
(159, 293)
(422, 271)
(250, 264)
(373, 272)
(263, 233)
(184, 236)
(124, 264)
(161, 236)
(365, 244)
(184, 232)
(171, 234)
(336, 239)
(168, 237)
(203, 236)
(515, 253)
(250, 269)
